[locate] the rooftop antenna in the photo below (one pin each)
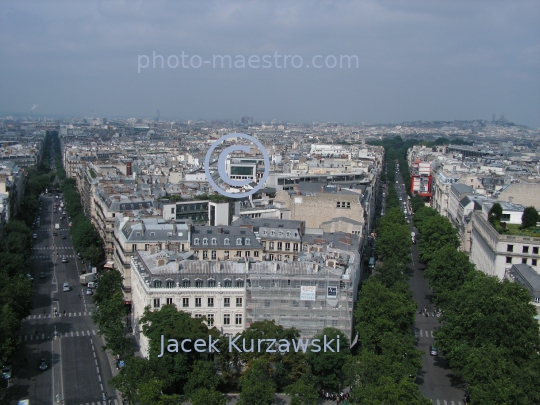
(31, 112)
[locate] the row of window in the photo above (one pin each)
(534, 262)
(198, 283)
(280, 233)
(226, 241)
(226, 319)
(510, 248)
(198, 302)
(280, 246)
(343, 204)
(226, 253)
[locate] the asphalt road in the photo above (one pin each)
(435, 380)
(78, 368)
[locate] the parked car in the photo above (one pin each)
(65, 287)
(6, 372)
(433, 351)
(64, 259)
(42, 275)
(34, 236)
(29, 277)
(89, 291)
(43, 364)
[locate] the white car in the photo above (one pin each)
(65, 287)
(34, 236)
(89, 291)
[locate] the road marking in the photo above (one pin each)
(88, 333)
(421, 333)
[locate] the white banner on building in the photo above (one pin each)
(307, 293)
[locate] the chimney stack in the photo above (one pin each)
(339, 187)
(322, 189)
(220, 230)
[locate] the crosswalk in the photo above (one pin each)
(425, 333)
(110, 401)
(445, 402)
(68, 314)
(43, 336)
(51, 248)
(49, 256)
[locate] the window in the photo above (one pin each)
(509, 248)
(185, 282)
(349, 205)
(210, 301)
(247, 253)
(169, 301)
(238, 319)
(525, 249)
(226, 254)
(238, 253)
(198, 315)
(239, 241)
(288, 234)
(198, 302)
(134, 248)
(535, 250)
(172, 210)
(537, 300)
(239, 283)
(226, 302)
(338, 205)
(256, 253)
(239, 302)
(210, 319)
(272, 233)
(280, 233)
(287, 246)
(279, 257)
(534, 262)
(214, 255)
(196, 241)
(505, 217)
(508, 259)
(524, 260)
(271, 246)
(211, 282)
(265, 232)
(226, 241)
(156, 302)
(214, 241)
(227, 282)
(152, 234)
(226, 319)
(198, 283)
(248, 241)
(264, 244)
(279, 246)
(295, 247)
(185, 302)
(205, 241)
(170, 283)
(205, 254)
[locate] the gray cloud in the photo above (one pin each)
(417, 59)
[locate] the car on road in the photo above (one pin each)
(65, 287)
(42, 275)
(64, 259)
(29, 277)
(64, 236)
(55, 233)
(433, 351)
(34, 236)
(400, 198)
(6, 372)
(43, 364)
(79, 256)
(89, 291)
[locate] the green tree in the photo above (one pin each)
(448, 270)
(93, 254)
(206, 396)
(303, 391)
(130, 377)
(403, 392)
(495, 213)
(417, 202)
(257, 385)
(391, 272)
(326, 366)
(203, 375)
(436, 233)
(529, 219)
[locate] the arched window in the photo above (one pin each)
(226, 241)
(248, 241)
(214, 241)
(196, 241)
(205, 241)
(239, 241)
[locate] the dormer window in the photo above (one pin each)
(152, 234)
(170, 284)
(185, 282)
(239, 282)
(205, 241)
(226, 241)
(272, 233)
(211, 282)
(198, 283)
(248, 241)
(280, 233)
(196, 241)
(138, 234)
(265, 232)
(214, 241)
(227, 282)
(157, 283)
(288, 234)
(238, 241)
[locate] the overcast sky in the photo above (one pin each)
(417, 60)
